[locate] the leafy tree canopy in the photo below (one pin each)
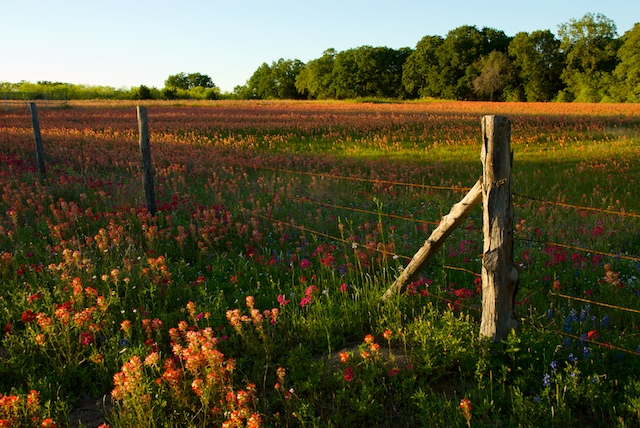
(188, 81)
(628, 70)
(591, 46)
(540, 63)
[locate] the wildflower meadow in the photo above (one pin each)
(252, 297)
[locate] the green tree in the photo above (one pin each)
(275, 81)
(141, 93)
(627, 72)
(420, 72)
(369, 72)
(188, 81)
(198, 80)
(495, 75)
(458, 55)
(316, 78)
(540, 64)
(177, 81)
(591, 47)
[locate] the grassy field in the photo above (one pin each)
(252, 297)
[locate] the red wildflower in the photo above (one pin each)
(348, 374)
(466, 407)
(33, 297)
(86, 338)
(28, 316)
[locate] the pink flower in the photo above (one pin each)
(282, 300)
(344, 287)
(393, 372)
(305, 263)
(305, 301)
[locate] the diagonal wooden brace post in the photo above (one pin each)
(447, 225)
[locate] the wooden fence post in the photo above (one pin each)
(147, 167)
(35, 124)
(499, 274)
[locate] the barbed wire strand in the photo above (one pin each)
(577, 207)
(361, 210)
(593, 302)
(595, 342)
(367, 247)
(451, 302)
(586, 250)
(367, 180)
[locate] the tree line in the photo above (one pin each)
(585, 62)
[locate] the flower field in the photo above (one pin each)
(252, 297)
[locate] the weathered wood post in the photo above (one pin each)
(147, 167)
(499, 274)
(35, 124)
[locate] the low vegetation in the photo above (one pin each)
(252, 297)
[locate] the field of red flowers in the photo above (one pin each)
(252, 297)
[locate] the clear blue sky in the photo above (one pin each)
(128, 43)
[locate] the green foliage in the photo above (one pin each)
(142, 93)
(627, 72)
(369, 72)
(316, 77)
(420, 75)
(539, 62)
(495, 74)
(188, 81)
(591, 46)
(275, 81)
(64, 91)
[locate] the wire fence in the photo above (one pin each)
(385, 253)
